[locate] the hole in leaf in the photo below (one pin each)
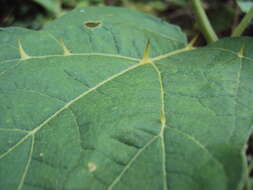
(92, 24)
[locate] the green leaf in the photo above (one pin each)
(53, 6)
(108, 98)
(245, 5)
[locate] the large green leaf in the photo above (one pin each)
(87, 104)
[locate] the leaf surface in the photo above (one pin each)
(82, 108)
(245, 5)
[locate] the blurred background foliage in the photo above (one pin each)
(245, 5)
(224, 14)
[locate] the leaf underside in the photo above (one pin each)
(81, 108)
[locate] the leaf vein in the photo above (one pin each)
(193, 139)
(116, 180)
(163, 124)
(75, 54)
(27, 165)
(66, 106)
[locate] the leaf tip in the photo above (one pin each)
(66, 51)
(22, 53)
(192, 42)
(240, 54)
(145, 59)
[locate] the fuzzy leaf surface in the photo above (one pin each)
(81, 108)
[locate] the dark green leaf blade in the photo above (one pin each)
(81, 108)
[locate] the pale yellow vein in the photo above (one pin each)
(27, 165)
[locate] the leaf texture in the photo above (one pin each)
(84, 107)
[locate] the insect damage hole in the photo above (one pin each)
(92, 24)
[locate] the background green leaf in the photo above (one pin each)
(53, 6)
(81, 109)
(245, 5)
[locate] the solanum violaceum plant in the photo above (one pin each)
(112, 99)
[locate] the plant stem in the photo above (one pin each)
(244, 23)
(204, 22)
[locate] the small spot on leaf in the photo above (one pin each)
(92, 166)
(92, 24)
